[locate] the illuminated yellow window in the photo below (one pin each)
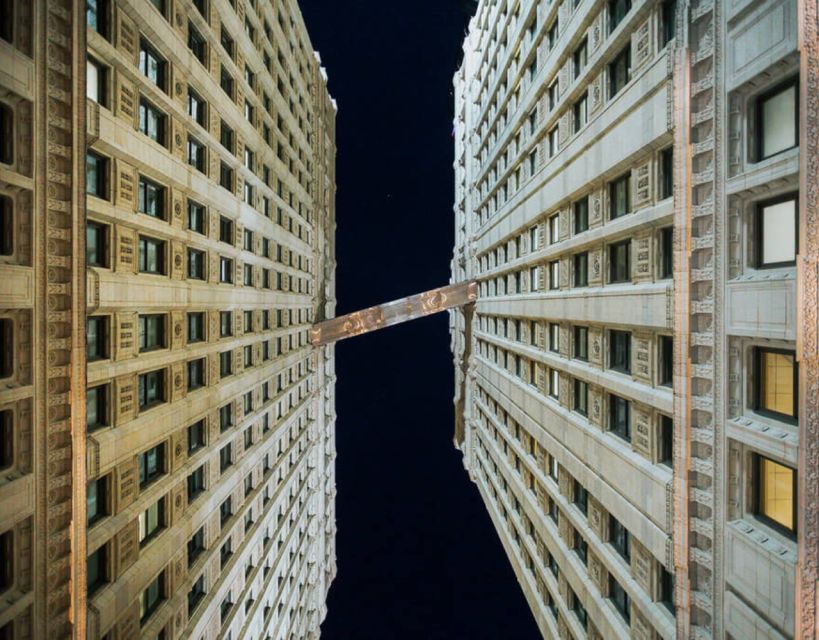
(776, 382)
(776, 493)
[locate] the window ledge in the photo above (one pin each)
(769, 541)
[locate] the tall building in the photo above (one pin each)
(167, 189)
(636, 387)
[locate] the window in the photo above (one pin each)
(777, 115)
(581, 397)
(151, 122)
(196, 154)
(619, 420)
(225, 417)
(151, 65)
(580, 58)
(6, 226)
(620, 351)
(225, 553)
(97, 569)
(160, 5)
(554, 229)
(553, 147)
(151, 389)
(196, 545)
(196, 594)
(197, 107)
(225, 230)
(553, 33)
(151, 332)
(196, 374)
(96, 409)
(226, 137)
(196, 217)
(619, 598)
(225, 457)
(617, 11)
(97, 500)
(248, 275)
(96, 334)
(225, 324)
(96, 175)
(620, 262)
(226, 176)
(581, 270)
(196, 436)
(248, 349)
(249, 111)
(6, 560)
(554, 383)
(151, 465)
(196, 484)
(96, 14)
(581, 498)
(667, 173)
(7, 356)
(777, 383)
(225, 270)
(248, 194)
(667, 252)
(666, 595)
(666, 360)
(666, 449)
(553, 95)
(151, 522)
(581, 215)
(580, 611)
(196, 327)
(248, 402)
(581, 113)
(668, 11)
(554, 275)
(6, 134)
(225, 364)
(581, 343)
(151, 598)
(151, 198)
(226, 82)
(620, 196)
(196, 264)
(6, 439)
(197, 44)
(776, 231)
(554, 337)
(775, 494)
(247, 322)
(96, 244)
(227, 42)
(620, 71)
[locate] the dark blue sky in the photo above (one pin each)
(418, 556)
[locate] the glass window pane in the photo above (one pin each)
(776, 492)
(778, 232)
(92, 81)
(779, 122)
(776, 372)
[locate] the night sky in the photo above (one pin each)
(418, 556)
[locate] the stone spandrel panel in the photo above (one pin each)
(642, 566)
(641, 628)
(125, 399)
(642, 44)
(595, 267)
(595, 94)
(178, 261)
(125, 548)
(125, 249)
(641, 357)
(596, 405)
(125, 335)
(125, 185)
(127, 627)
(641, 185)
(598, 574)
(596, 346)
(127, 37)
(179, 378)
(125, 99)
(642, 440)
(643, 257)
(596, 208)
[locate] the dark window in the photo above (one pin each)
(196, 374)
(151, 198)
(97, 499)
(225, 417)
(152, 65)
(6, 348)
(6, 226)
(197, 107)
(151, 332)
(667, 252)
(581, 270)
(225, 324)
(581, 215)
(196, 594)
(227, 42)
(196, 484)
(151, 465)
(226, 230)
(226, 137)
(225, 553)
(777, 232)
(666, 360)
(97, 569)
(196, 264)
(581, 547)
(581, 397)
(151, 255)
(196, 545)
(96, 335)
(667, 589)
(226, 82)
(151, 388)
(668, 11)
(226, 176)
(777, 119)
(581, 498)
(96, 244)
(580, 57)
(620, 196)
(619, 538)
(581, 112)
(620, 71)
(6, 134)
(196, 217)
(96, 175)
(151, 522)
(620, 262)
(160, 5)
(96, 408)
(580, 611)
(225, 457)
(554, 32)
(196, 154)
(225, 270)
(617, 11)
(151, 598)
(581, 343)
(196, 327)
(225, 363)
(619, 420)
(6, 560)
(152, 122)
(777, 383)
(666, 440)
(197, 44)
(667, 173)
(6, 439)
(96, 15)
(619, 599)
(620, 351)
(196, 436)
(225, 511)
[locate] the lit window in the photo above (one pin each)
(776, 493)
(151, 521)
(96, 81)
(776, 228)
(776, 383)
(778, 120)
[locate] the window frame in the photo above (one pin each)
(759, 118)
(759, 239)
(756, 496)
(757, 390)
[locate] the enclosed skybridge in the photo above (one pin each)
(395, 312)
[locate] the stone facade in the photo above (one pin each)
(167, 182)
(610, 181)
